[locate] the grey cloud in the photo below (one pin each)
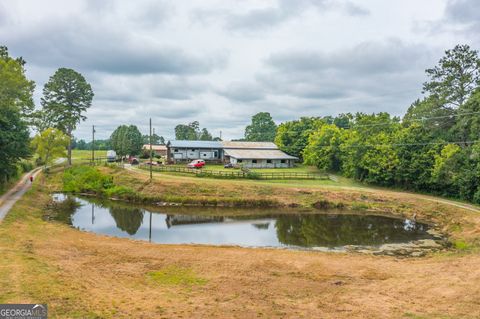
(282, 11)
(360, 78)
(461, 18)
(356, 10)
(365, 58)
(96, 45)
(242, 92)
(463, 11)
(152, 86)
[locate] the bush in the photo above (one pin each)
(86, 179)
(476, 197)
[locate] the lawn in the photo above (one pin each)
(87, 154)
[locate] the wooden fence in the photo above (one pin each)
(237, 174)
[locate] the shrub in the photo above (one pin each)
(86, 179)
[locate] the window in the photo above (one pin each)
(239, 161)
(205, 154)
(193, 150)
(269, 161)
(176, 150)
(254, 161)
(283, 161)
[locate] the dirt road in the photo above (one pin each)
(9, 199)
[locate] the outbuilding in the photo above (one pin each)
(158, 150)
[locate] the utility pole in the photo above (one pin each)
(151, 154)
(93, 144)
(220, 135)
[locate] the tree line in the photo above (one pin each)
(435, 147)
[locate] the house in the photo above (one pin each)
(179, 150)
(158, 150)
(247, 154)
(256, 155)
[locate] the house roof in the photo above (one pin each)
(155, 147)
(257, 154)
(194, 144)
(249, 145)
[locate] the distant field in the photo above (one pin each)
(87, 154)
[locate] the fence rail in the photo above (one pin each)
(237, 174)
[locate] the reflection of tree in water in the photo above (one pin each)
(128, 219)
(341, 230)
(63, 210)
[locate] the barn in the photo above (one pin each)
(247, 154)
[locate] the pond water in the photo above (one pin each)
(242, 227)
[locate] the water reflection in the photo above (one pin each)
(227, 227)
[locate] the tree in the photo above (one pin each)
(433, 115)
(292, 136)
(205, 135)
(192, 132)
(14, 141)
(127, 140)
(323, 149)
(50, 144)
(66, 97)
(455, 77)
(467, 127)
(156, 140)
(262, 129)
(15, 89)
(15, 102)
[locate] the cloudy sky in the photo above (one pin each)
(220, 62)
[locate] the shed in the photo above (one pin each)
(158, 150)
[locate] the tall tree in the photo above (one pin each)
(455, 77)
(262, 129)
(66, 98)
(15, 102)
(50, 144)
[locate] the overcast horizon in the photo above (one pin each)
(220, 62)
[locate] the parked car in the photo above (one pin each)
(152, 163)
(229, 165)
(196, 164)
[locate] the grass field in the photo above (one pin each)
(83, 275)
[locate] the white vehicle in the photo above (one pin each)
(111, 156)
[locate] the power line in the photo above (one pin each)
(409, 144)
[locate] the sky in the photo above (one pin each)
(220, 62)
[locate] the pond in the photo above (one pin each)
(242, 227)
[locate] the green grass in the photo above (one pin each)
(297, 169)
(174, 275)
(87, 154)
